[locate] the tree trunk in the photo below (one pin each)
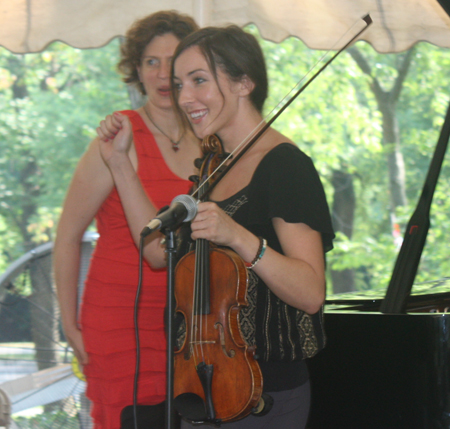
(387, 101)
(395, 162)
(44, 312)
(343, 213)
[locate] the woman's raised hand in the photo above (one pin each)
(109, 127)
(115, 134)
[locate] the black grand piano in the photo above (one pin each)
(384, 370)
(387, 359)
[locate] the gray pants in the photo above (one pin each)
(290, 411)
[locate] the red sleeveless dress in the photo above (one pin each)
(108, 301)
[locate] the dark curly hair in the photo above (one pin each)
(142, 32)
(236, 52)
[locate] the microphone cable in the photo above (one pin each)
(136, 331)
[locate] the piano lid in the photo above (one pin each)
(422, 295)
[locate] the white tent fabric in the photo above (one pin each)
(30, 25)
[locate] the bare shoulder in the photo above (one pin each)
(279, 138)
(272, 138)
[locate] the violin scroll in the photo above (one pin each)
(211, 144)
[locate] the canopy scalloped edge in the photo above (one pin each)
(30, 25)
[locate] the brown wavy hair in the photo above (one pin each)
(236, 52)
(142, 32)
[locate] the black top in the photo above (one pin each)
(285, 184)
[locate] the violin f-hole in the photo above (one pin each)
(230, 354)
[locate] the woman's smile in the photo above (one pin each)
(197, 115)
(208, 101)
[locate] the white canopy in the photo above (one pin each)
(30, 25)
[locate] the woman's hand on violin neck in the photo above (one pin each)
(116, 134)
(213, 224)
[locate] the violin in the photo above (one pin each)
(216, 376)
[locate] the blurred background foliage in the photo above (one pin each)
(51, 103)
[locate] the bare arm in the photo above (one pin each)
(115, 141)
(297, 277)
(90, 186)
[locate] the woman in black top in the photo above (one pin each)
(270, 209)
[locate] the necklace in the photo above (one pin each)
(175, 144)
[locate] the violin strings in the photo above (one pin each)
(203, 296)
(194, 316)
(198, 329)
(204, 285)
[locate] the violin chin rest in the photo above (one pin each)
(191, 407)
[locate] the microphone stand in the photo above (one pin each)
(172, 222)
(170, 249)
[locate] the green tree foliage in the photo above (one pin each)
(50, 105)
(337, 122)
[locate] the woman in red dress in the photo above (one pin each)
(123, 185)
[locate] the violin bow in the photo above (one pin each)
(266, 124)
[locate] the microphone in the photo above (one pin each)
(183, 208)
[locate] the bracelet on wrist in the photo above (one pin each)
(259, 253)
